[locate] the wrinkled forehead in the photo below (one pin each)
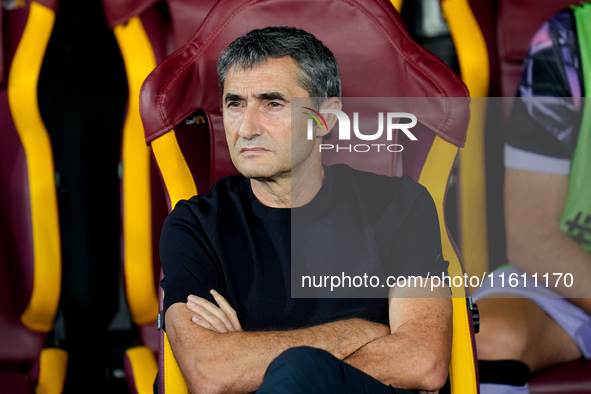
(272, 75)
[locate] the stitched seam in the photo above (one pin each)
(190, 61)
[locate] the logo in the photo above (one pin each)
(315, 115)
(390, 119)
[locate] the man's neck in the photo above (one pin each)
(289, 191)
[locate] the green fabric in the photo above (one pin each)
(576, 218)
(503, 267)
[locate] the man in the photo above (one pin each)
(547, 213)
(226, 257)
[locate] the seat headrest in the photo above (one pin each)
(376, 57)
(119, 11)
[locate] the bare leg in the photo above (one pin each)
(518, 329)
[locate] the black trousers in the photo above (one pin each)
(308, 370)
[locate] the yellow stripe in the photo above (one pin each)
(180, 186)
(173, 379)
(397, 4)
(176, 173)
(474, 67)
(462, 369)
(144, 367)
(22, 98)
(53, 364)
(139, 60)
(472, 191)
(434, 177)
(470, 46)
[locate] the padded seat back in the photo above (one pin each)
(376, 72)
(30, 250)
(146, 32)
(180, 108)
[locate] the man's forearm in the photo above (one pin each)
(414, 357)
(391, 361)
(236, 361)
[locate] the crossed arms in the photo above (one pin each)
(215, 355)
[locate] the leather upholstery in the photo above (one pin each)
(573, 377)
(16, 216)
(15, 208)
(24, 267)
(13, 381)
(19, 345)
(51, 4)
(1, 47)
(183, 93)
(146, 32)
(184, 16)
(166, 101)
(120, 11)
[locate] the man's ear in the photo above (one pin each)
(331, 119)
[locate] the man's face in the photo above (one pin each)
(257, 119)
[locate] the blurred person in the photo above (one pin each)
(547, 214)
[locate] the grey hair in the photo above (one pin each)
(319, 74)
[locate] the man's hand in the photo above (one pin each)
(221, 318)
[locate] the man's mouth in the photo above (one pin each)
(256, 149)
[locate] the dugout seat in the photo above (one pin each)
(473, 66)
(469, 56)
(142, 210)
(180, 109)
(146, 32)
(30, 251)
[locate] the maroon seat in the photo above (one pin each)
(168, 102)
(20, 345)
(30, 258)
(180, 107)
(146, 32)
(572, 377)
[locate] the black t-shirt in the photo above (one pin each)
(230, 242)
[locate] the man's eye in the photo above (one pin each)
(233, 104)
(275, 104)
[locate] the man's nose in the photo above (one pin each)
(251, 123)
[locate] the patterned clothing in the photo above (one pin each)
(545, 119)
